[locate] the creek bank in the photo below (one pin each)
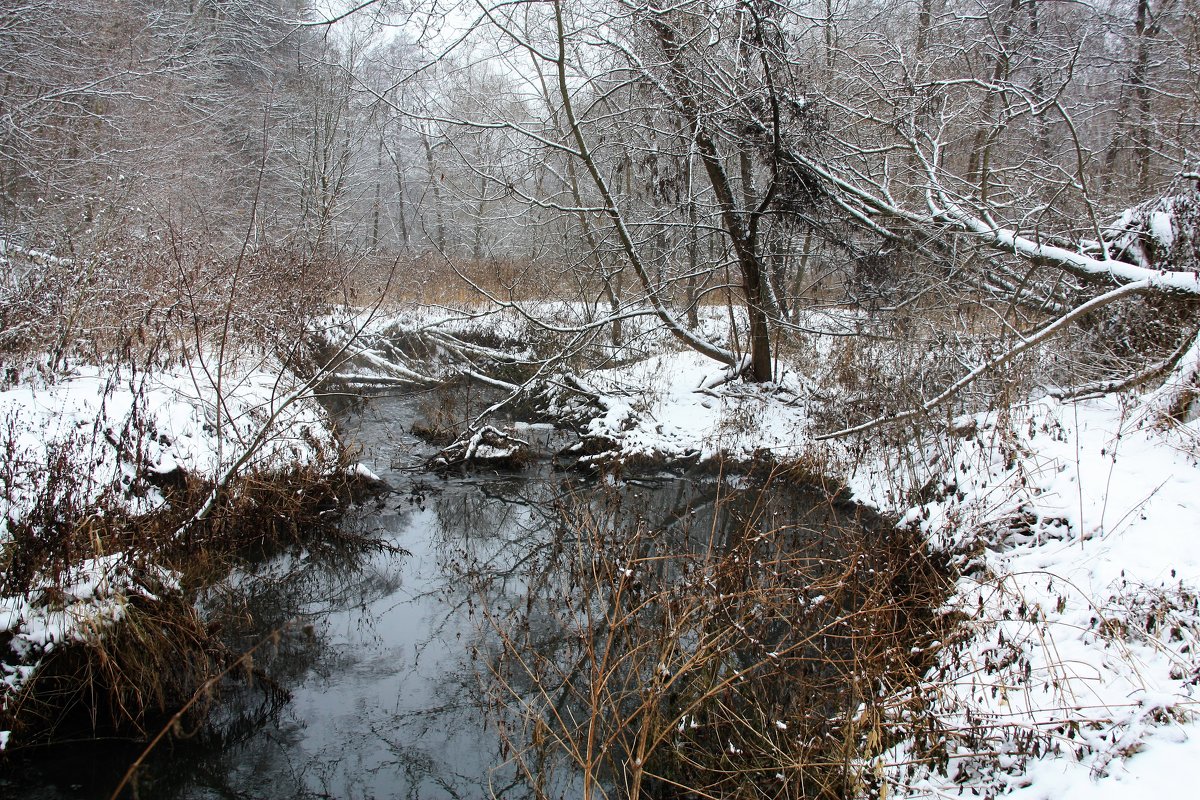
(1077, 655)
(1069, 520)
(396, 666)
(120, 510)
(1078, 661)
(786, 556)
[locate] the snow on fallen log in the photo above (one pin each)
(488, 446)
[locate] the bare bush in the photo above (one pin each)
(728, 645)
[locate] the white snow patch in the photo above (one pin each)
(160, 421)
(1162, 228)
(678, 405)
(1083, 608)
(363, 471)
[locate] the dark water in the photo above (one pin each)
(388, 673)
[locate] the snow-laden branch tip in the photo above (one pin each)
(1187, 282)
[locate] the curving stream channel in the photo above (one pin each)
(547, 634)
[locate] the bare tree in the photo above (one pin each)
(963, 150)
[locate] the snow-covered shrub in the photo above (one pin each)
(1159, 234)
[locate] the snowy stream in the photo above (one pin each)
(381, 656)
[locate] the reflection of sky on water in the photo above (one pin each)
(387, 692)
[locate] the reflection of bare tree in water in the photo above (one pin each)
(567, 637)
(287, 594)
(497, 534)
(693, 640)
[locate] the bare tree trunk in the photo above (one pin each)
(477, 246)
(1041, 124)
(734, 221)
(1133, 124)
(402, 210)
(924, 24)
(829, 36)
(1141, 73)
(747, 258)
(584, 153)
(985, 135)
(435, 187)
(801, 273)
(693, 260)
(378, 203)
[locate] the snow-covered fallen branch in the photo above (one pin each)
(487, 446)
(1025, 344)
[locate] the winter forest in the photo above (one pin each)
(611, 399)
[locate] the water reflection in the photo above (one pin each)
(683, 637)
(544, 635)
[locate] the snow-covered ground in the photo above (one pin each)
(1082, 601)
(85, 440)
(681, 405)
(117, 421)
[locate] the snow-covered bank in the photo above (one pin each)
(681, 406)
(177, 418)
(1075, 671)
(98, 445)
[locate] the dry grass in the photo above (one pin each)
(728, 654)
(124, 679)
(431, 279)
(148, 303)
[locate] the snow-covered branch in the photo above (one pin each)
(1025, 344)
